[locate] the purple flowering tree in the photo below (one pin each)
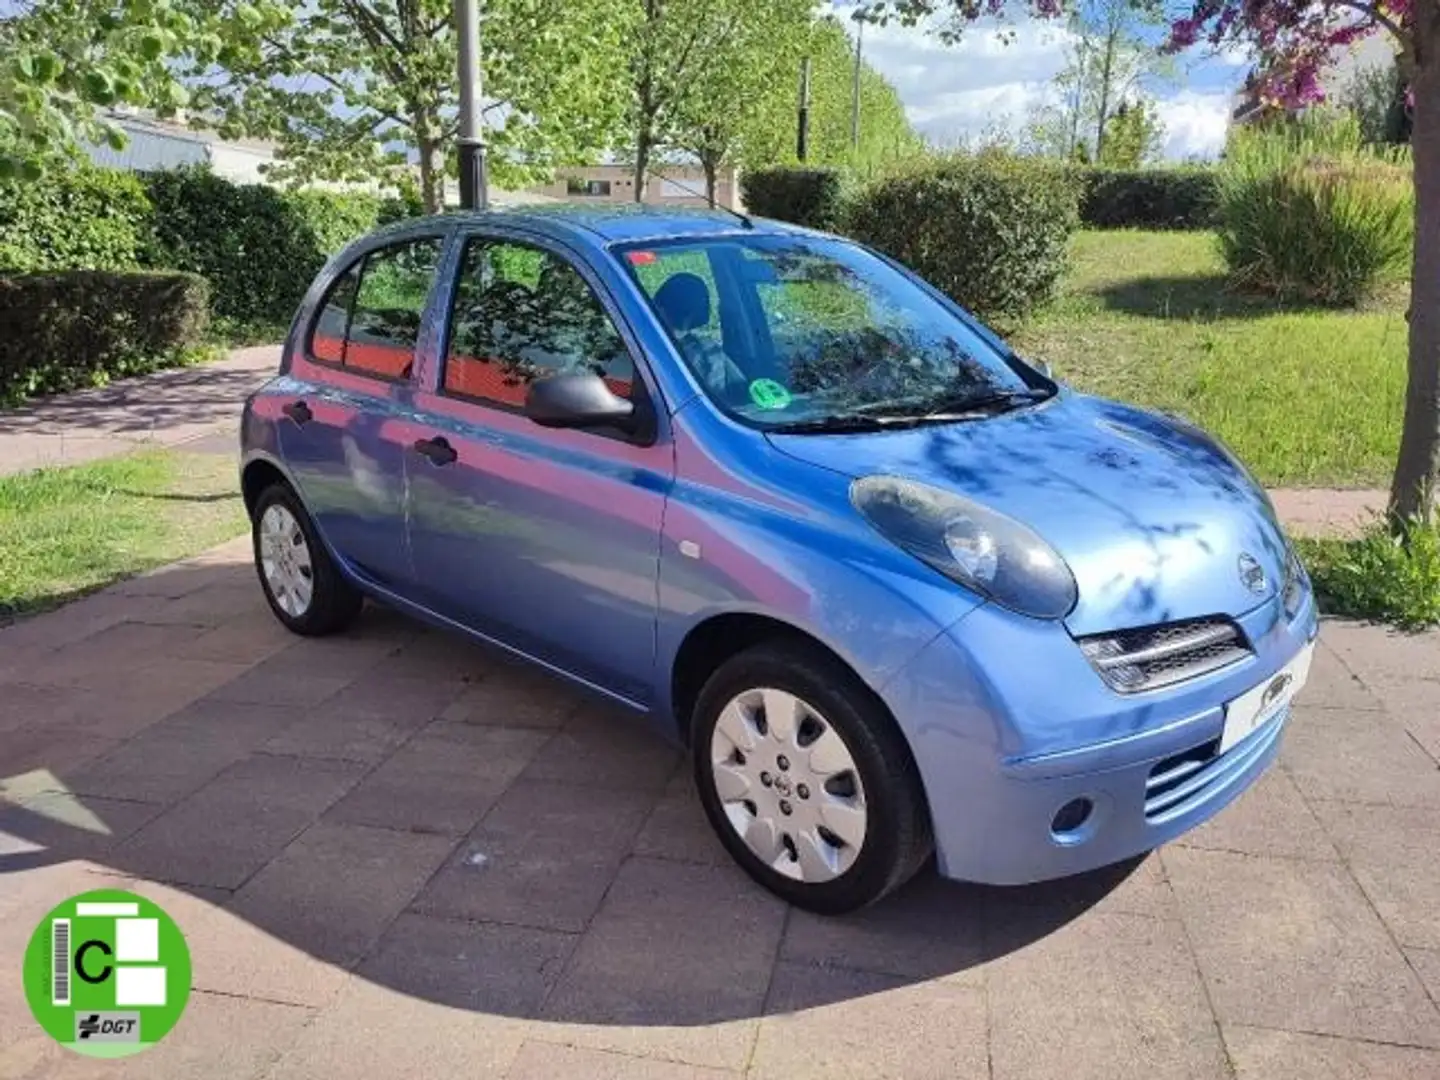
(1298, 39)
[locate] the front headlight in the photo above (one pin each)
(969, 543)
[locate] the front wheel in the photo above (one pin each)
(301, 582)
(807, 780)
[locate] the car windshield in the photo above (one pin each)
(812, 334)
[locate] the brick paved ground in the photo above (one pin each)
(395, 855)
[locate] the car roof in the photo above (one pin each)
(609, 223)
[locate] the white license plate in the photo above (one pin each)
(1253, 708)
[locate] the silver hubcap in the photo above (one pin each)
(789, 785)
(285, 561)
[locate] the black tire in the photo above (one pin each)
(334, 602)
(897, 840)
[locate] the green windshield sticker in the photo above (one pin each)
(769, 394)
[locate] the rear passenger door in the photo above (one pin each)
(546, 540)
(347, 423)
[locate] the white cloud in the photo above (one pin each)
(1195, 122)
(994, 77)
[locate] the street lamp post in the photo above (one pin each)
(474, 184)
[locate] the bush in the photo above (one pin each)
(990, 230)
(814, 198)
(68, 329)
(92, 219)
(1383, 575)
(258, 247)
(1308, 214)
(1149, 198)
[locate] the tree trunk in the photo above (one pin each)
(1107, 72)
(711, 164)
(1412, 493)
(643, 139)
(432, 172)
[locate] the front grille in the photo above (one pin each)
(1183, 781)
(1154, 656)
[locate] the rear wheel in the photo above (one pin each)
(807, 780)
(301, 582)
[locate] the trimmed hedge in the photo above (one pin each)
(90, 219)
(68, 329)
(1186, 198)
(258, 247)
(990, 230)
(814, 198)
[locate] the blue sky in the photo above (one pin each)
(958, 92)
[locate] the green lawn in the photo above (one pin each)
(67, 531)
(1305, 397)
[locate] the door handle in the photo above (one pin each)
(299, 412)
(438, 450)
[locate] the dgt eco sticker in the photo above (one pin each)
(107, 973)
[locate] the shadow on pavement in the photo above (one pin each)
(437, 821)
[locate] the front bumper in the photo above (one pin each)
(1009, 723)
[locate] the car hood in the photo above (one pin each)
(1153, 517)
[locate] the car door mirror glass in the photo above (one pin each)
(577, 400)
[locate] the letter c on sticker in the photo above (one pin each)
(80, 962)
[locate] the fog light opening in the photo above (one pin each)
(1071, 819)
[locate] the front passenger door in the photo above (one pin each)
(543, 539)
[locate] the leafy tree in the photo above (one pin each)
(1134, 136)
(671, 44)
(354, 90)
(1377, 97)
(743, 90)
(1298, 39)
(63, 63)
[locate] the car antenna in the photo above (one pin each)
(744, 218)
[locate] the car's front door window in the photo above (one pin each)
(522, 313)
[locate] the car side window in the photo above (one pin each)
(370, 320)
(522, 313)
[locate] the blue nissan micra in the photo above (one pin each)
(897, 590)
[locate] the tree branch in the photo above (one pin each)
(1377, 16)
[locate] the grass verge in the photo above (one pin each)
(1380, 575)
(71, 530)
(1305, 396)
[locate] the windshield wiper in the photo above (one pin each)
(1000, 401)
(840, 424)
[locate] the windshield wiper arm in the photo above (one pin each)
(1001, 399)
(854, 422)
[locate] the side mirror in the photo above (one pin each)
(576, 401)
(1043, 366)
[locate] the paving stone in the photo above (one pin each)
(94, 661)
(1270, 818)
(930, 929)
(436, 654)
(544, 856)
(1392, 851)
(216, 1037)
(66, 825)
(372, 1031)
(265, 684)
(675, 965)
(678, 829)
(346, 655)
(1414, 704)
(1107, 996)
(175, 756)
(1294, 944)
(1261, 1054)
(602, 746)
(248, 639)
(1426, 963)
(482, 967)
(1377, 653)
(209, 607)
(38, 759)
(834, 1023)
(547, 1061)
(1333, 685)
(515, 696)
(443, 780)
(367, 719)
(1358, 757)
(1136, 886)
(234, 825)
(296, 897)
